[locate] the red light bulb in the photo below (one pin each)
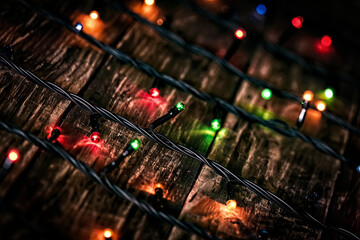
(297, 21)
(13, 155)
(326, 41)
(240, 34)
(154, 92)
(95, 137)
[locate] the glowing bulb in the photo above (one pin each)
(231, 204)
(159, 186)
(358, 168)
(261, 9)
(13, 155)
(320, 105)
(180, 106)
(308, 95)
(297, 21)
(240, 34)
(135, 144)
(78, 26)
(94, 15)
(159, 22)
(154, 92)
(326, 41)
(329, 93)
(149, 2)
(107, 234)
(266, 94)
(95, 137)
(216, 124)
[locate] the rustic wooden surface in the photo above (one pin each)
(50, 193)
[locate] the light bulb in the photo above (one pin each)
(320, 105)
(266, 94)
(326, 41)
(308, 95)
(216, 124)
(261, 9)
(95, 137)
(297, 22)
(13, 155)
(149, 2)
(329, 93)
(231, 204)
(94, 15)
(135, 144)
(154, 92)
(180, 106)
(240, 34)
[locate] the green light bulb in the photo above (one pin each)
(180, 106)
(216, 124)
(329, 93)
(266, 94)
(135, 144)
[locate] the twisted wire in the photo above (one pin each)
(105, 182)
(271, 47)
(165, 142)
(276, 125)
(229, 67)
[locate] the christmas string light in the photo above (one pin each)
(216, 122)
(54, 134)
(297, 22)
(266, 94)
(87, 170)
(94, 15)
(276, 125)
(173, 112)
(307, 97)
(320, 105)
(107, 234)
(225, 64)
(329, 93)
(130, 148)
(271, 47)
(154, 92)
(159, 192)
(231, 202)
(95, 132)
(12, 157)
(326, 41)
(149, 2)
(261, 9)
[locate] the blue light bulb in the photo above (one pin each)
(261, 9)
(78, 26)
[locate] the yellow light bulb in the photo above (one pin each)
(107, 233)
(94, 15)
(320, 105)
(149, 2)
(231, 204)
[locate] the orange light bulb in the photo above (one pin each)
(149, 2)
(13, 155)
(320, 105)
(94, 15)
(158, 185)
(308, 95)
(107, 234)
(231, 204)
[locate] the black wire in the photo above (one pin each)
(164, 141)
(271, 47)
(276, 125)
(227, 65)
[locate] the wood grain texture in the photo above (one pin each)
(53, 195)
